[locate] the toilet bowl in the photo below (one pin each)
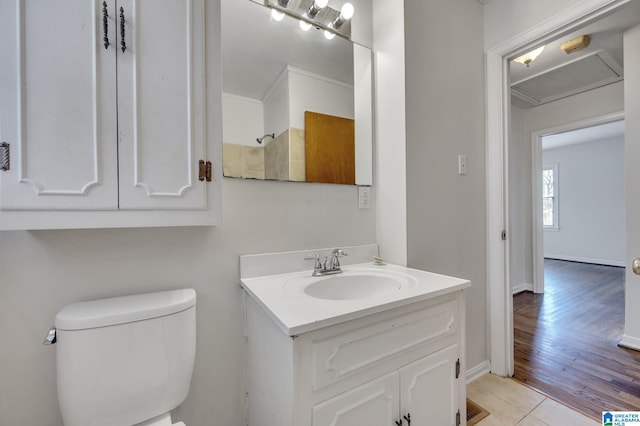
(125, 360)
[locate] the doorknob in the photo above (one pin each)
(636, 266)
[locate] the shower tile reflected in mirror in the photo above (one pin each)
(297, 169)
(252, 162)
(282, 158)
(232, 160)
(276, 157)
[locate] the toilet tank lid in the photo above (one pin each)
(124, 309)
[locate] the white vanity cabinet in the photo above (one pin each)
(403, 363)
(107, 109)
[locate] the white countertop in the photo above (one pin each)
(284, 299)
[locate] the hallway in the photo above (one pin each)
(566, 340)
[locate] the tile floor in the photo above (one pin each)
(510, 403)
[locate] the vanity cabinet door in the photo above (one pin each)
(57, 105)
(375, 403)
(161, 105)
(429, 389)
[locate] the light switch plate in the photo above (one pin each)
(364, 197)
(462, 164)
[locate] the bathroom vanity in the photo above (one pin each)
(333, 350)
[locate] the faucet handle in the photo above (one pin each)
(339, 253)
(336, 254)
(317, 266)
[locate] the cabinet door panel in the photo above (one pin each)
(373, 404)
(428, 389)
(57, 106)
(161, 105)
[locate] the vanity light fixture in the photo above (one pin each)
(316, 7)
(329, 35)
(304, 25)
(315, 13)
(529, 57)
(277, 15)
(346, 13)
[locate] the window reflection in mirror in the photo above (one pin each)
(273, 74)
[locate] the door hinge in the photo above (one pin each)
(458, 418)
(205, 170)
(5, 157)
(504, 235)
(458, 368)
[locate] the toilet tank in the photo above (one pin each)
(124, 360)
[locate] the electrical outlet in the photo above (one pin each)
(462, 164)
(364, 197)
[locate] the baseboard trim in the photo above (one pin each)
(630, 342)
(607, 262)
(478, 371)
(522, 287)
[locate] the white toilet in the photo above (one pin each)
(126, 360)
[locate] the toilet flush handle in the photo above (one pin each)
(51, 336)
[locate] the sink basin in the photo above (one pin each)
(348, 287)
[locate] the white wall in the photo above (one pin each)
(632, 176)
(309, 92)
(505, 19)
(242, 120)
(591, 203)
(445, 110)
(389, 123)
(276, 105)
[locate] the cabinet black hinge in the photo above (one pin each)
(458, 418)
(504, 235)
(205, 170)
(458, 368)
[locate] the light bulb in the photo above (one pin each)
(304, 25)
(347, 11)
(277, 15)
(328, 35)
(321, 3)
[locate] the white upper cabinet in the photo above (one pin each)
(58, 108)
(106, 113)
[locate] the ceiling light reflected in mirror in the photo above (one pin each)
(315, 13)
(529, 57)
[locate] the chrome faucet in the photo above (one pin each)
(331, 264)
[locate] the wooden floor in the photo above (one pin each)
(566, 340)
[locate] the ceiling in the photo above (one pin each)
(601, 132)
(555, 75)
(256, 49)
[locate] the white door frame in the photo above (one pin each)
(536, 186)
(500, 300)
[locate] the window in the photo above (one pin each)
(550, 196)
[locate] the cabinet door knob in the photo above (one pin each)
(105, 25)
(636, 266)
(123, 43)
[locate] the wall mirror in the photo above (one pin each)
(296, 105)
